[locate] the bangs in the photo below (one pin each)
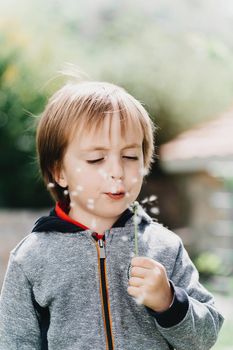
(92, 117)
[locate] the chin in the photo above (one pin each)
(116, 212)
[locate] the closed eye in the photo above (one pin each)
(94, 160)
(131, 158)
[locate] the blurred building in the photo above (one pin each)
(203, 157)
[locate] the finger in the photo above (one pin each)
(136, 282)
(133, 291)
(139, 272)
(143, 261)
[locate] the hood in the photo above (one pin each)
(53, 223)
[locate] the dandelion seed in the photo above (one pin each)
(73, 193)
(113, 190)
(140, 299)
(138, 219)
(90, 206)
(152, 198)
(50, 185)
(78, 170)
(103, 173)
(127, 194)
(72, 204)
(143, 171)
(132, 254)
(122, 267)
(140, 211)
(79, 188)
(90, 200)
(66, 192)
(134, 179)
(154, 210)
(145, 200)
(93, 223)
(124, 238)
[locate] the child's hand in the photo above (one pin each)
(149, 284)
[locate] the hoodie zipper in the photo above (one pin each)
(104, 293)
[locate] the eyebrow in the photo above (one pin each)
(102, 148)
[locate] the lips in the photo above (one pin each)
(116, 196)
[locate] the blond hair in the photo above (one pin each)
(85, 105)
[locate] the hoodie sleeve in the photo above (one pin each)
(192, 321)
(19, 326)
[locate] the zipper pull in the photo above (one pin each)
(102, 248)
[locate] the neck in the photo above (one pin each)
(97, 224)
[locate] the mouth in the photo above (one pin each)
(116, 196)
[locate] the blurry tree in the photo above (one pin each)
(19, 181)
(175, 58)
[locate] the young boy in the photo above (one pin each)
(98, 273)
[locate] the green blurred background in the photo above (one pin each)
(175, 57)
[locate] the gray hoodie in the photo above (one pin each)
(64, 289)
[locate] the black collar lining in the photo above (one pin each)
(55, 223)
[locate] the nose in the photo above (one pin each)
(116, 169)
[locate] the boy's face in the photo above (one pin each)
(103, 172)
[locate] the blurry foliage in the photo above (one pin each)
(19, 97)
(173, 58)
(208, 264)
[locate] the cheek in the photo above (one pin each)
(134, 177)
(87, 179)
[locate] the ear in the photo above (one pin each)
(59, 177)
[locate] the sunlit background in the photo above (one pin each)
(177, 59)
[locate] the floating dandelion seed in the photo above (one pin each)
(113, 190)
(140, 299)
(66, 192)
(90, 203)
(138, 219)
(132, 254)
(50, 185)
(154, 210)
(72, 204)
(73, 193)
(143, 171)
(124, 238)
(127, 194)
(134, 179)
(78, 170)
(145, 200)
(103, 173)
(152, 198)
(93, 223)
(79, 188)
(148, 201)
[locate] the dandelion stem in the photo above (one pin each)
(135, 229)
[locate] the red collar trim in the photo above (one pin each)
(62, 215)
